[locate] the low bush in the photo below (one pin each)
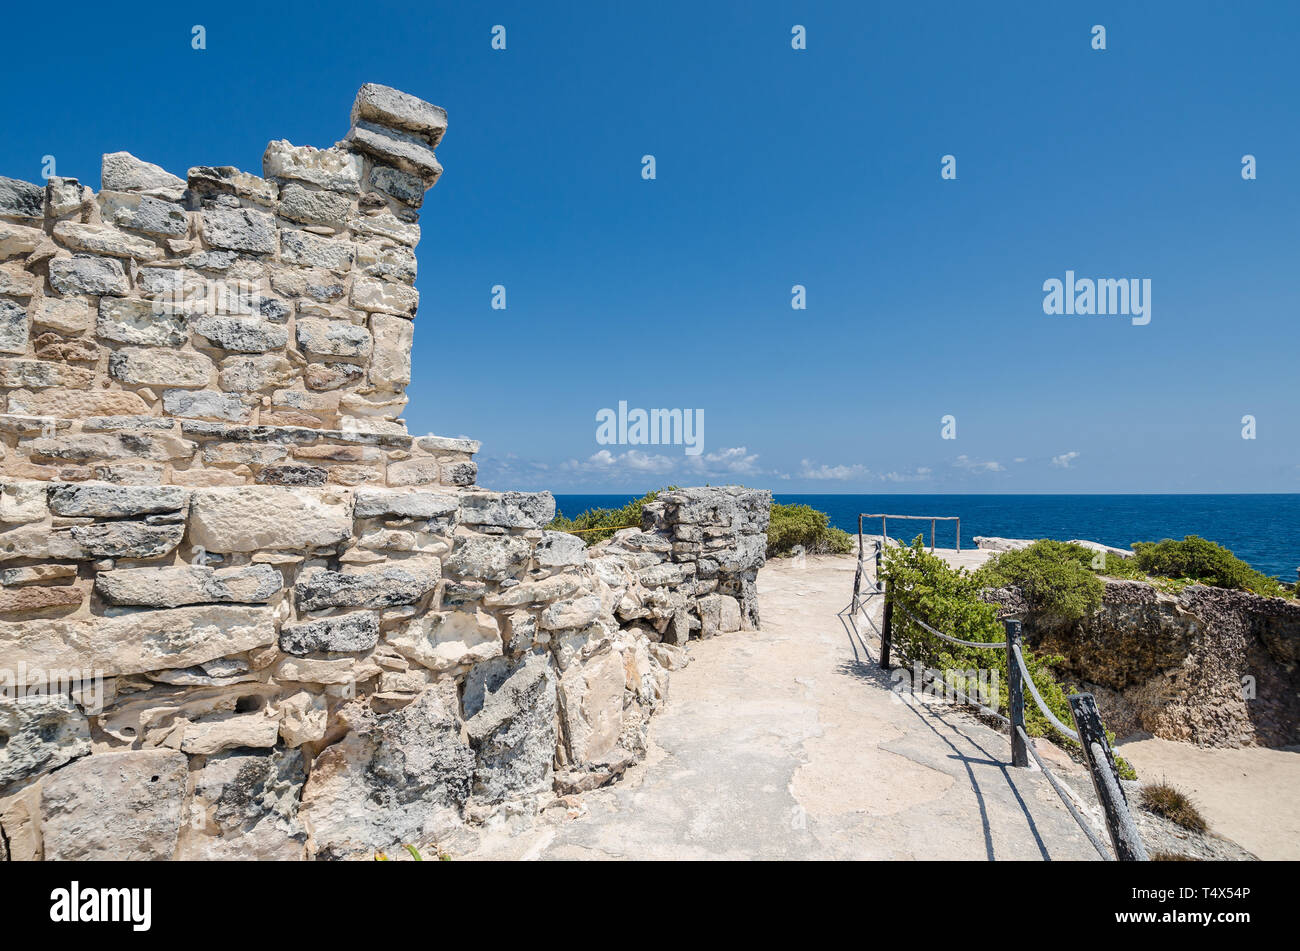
(803, 525)
(948, 599)
(1057, 578)
(1198, 559)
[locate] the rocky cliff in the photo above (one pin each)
(1208, 666)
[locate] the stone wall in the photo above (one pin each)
(1208, 666)
(243, 613)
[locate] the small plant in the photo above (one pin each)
(1198, 559)
(596, 525)
(792, 526)
(1171, 857)
(1165, 800)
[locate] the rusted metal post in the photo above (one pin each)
(959, 533)
(1105, 778)
(1015, 695)
(886, 629)
(932, 521)
(880, 580)
(884, 531)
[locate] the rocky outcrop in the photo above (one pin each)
(1208, 666)
(243, 612)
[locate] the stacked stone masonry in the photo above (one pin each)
(244, 613)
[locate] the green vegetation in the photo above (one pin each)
(1165, 800)
(1058, 578)
(596, 525)
(948, 600)
(1195, 559)
(793, 525)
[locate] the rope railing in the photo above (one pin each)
(1033, 692)
(1088, 733)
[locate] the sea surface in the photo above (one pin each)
(1263, 530)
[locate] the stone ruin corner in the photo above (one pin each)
(243, 612)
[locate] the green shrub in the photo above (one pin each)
(1057, 577)
(1198, 559)
(1165, 800)
(793, 525)
(948, 600)
(596, 525)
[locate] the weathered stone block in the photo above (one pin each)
(383, 587)
(39, 733)
(122, 806)
(155, 366)
(188, 584)
(251, 518)
(87, 275)
(138, 641)
(358, 631)
(123, 172)
(239, 229)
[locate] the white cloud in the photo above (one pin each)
(972, 465)
(810, 470)
(736, 459)
(1064, 459)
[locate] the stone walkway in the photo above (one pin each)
(787, 744)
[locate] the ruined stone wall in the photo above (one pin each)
(243, 613)
(1208, 665)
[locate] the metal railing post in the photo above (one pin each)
(880, 579)
(857, 575)
(887, 628)
(1105, 778)
(1015, 695)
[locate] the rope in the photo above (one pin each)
(961, 695)
(947, 637)
(1085, 826)
(1029, 682)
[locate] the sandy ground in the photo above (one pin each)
(1251, 795)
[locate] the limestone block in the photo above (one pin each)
(333, 169)
(354, 632)
(136, 642)
(398, 777)
(245, 806)
(447, 640)
(252, 518)
(99, 239)
(39, 733)
(510, 721)
(591, 695)
(154, 366)
(89, 275)
(124, 806)
(188, 584)
(123, 172)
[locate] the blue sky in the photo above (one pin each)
(778, 167)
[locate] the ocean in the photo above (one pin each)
(1262, 530)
